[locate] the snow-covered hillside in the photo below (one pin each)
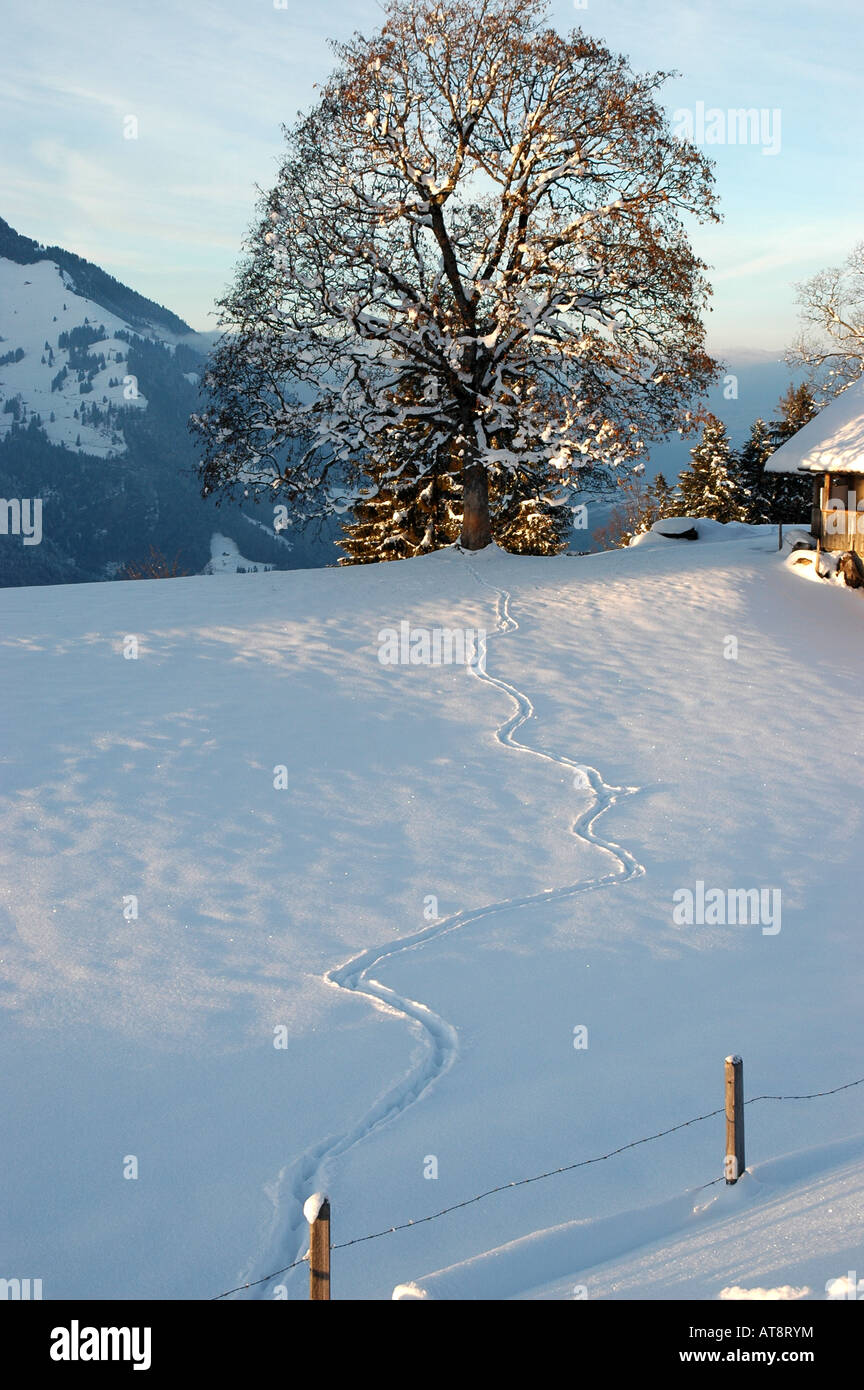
(97, 384)
(281, 916)
(225, 558)
(38, 310)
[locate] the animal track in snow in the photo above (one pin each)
(288, 1239)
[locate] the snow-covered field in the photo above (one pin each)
(376, 904)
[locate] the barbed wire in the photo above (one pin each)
(812, 1095)
(539, 1177)
(523, 1182)
(240, 1287)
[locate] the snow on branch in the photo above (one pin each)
(474, 244)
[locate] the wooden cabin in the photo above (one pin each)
(831, 449)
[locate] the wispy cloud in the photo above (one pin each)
(211, 85)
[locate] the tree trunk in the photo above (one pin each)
(476, 525)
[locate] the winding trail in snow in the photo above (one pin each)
(289, 1235)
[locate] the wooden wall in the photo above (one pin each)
(839, 530)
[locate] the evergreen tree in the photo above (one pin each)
(709, 487)
(756, 486)
(409, 510)
(404, 512)
(664, 499)
(523, 522)
(406, 515)
(789, 496)
(797, 407)
(638, 504)
(413, 513)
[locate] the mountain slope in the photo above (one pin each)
(62, 360)
(96, 387)
(89, 281)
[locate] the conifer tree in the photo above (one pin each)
(408, 514)
(412, 513)
(756, 486)
(709, 487)
(664, 499)
(403, 511)
(523, 522)
(790, 496)
(797, 407)
(638, 505)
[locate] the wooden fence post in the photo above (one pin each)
(317, 1211)
(735, 1160)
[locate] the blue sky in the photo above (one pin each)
(210, 85)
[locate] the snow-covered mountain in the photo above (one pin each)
(75, 379)
(96, 386)
(65, 327)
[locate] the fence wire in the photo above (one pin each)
(539, 1177)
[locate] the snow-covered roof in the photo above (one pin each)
(833, 442)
